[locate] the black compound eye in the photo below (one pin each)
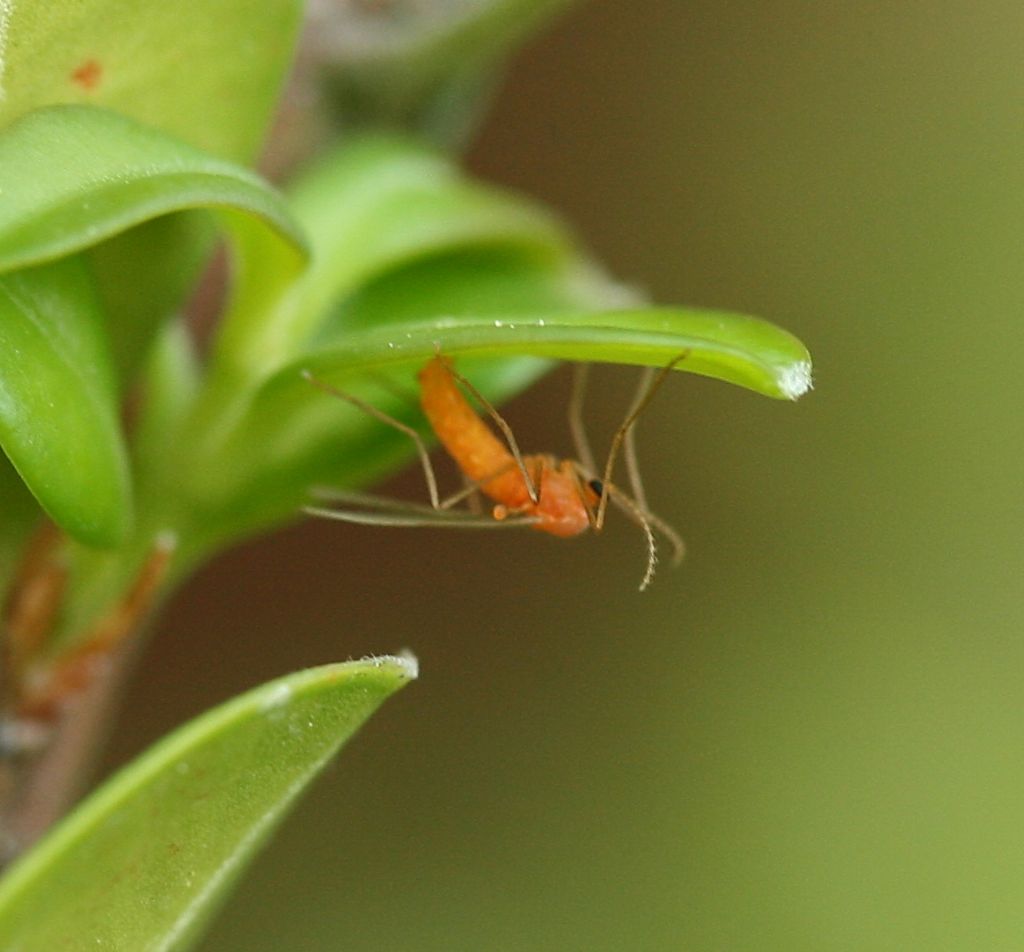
(597, 486)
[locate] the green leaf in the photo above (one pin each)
(473, 282)
(144, 862)
(206, 71)
(743, 350)
(59, 422)
(74, 176)
(145, 276)
(172, 381)
(370, 208)
(398, 232)
(505, 304)
(77, 177)
(382, 203)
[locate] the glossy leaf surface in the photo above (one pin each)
(74, 176)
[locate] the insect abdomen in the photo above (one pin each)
(468, 440)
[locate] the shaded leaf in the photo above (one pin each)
(145, 275)
(145, 861)
(21, 514)
(59, 422)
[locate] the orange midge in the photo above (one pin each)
(561, 497)
(550, 491)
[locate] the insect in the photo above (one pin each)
(563, 497)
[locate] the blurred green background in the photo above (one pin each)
(810, 735)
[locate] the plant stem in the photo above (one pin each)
(38, 787)
(59, 696)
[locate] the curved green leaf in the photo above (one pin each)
(144, 862)
(381, 202)
(76, 175)
(736, 348)
(59, 422)
(502, 305)
(372, 207)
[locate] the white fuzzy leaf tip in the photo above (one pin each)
(795, 380)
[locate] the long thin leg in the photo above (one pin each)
(636, 483)
(376, 511)
(421, 447)
(620, 434)
(584, 454)
(350, 497)
(506, 430)
(580, 373)
(470, 488)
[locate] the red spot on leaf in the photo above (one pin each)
(88, 75)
